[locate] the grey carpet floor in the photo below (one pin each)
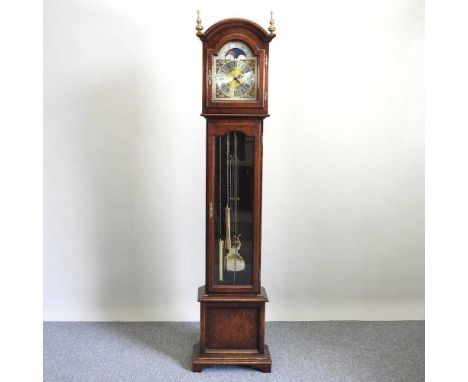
(301, 351)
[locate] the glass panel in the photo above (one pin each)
(234, 172)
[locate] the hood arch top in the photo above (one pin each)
(236, 24)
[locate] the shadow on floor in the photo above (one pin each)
(172, 339)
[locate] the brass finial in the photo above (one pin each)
(199, 27)
(272, 28)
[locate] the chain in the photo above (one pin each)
(219, 184)
(228, 183)
(236, 185)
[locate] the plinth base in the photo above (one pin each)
(232, 331)
(255, 360)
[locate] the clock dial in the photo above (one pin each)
(235, 76)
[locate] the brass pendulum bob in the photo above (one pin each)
(234, 261)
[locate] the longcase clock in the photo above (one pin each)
(235, 103)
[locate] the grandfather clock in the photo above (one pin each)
(235, 103)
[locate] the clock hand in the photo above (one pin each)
(237, 79)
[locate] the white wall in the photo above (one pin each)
(124, 159)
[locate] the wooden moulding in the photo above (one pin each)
(231, 297)
(257, 361)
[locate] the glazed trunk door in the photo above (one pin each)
(233, 216)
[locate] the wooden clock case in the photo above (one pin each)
(232, 322)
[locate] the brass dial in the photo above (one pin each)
(234, 73)
(235, 78)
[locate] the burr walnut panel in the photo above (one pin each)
(232, 328)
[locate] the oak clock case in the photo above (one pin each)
(235, 83)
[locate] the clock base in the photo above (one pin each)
(232, 331)
(254, 360)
